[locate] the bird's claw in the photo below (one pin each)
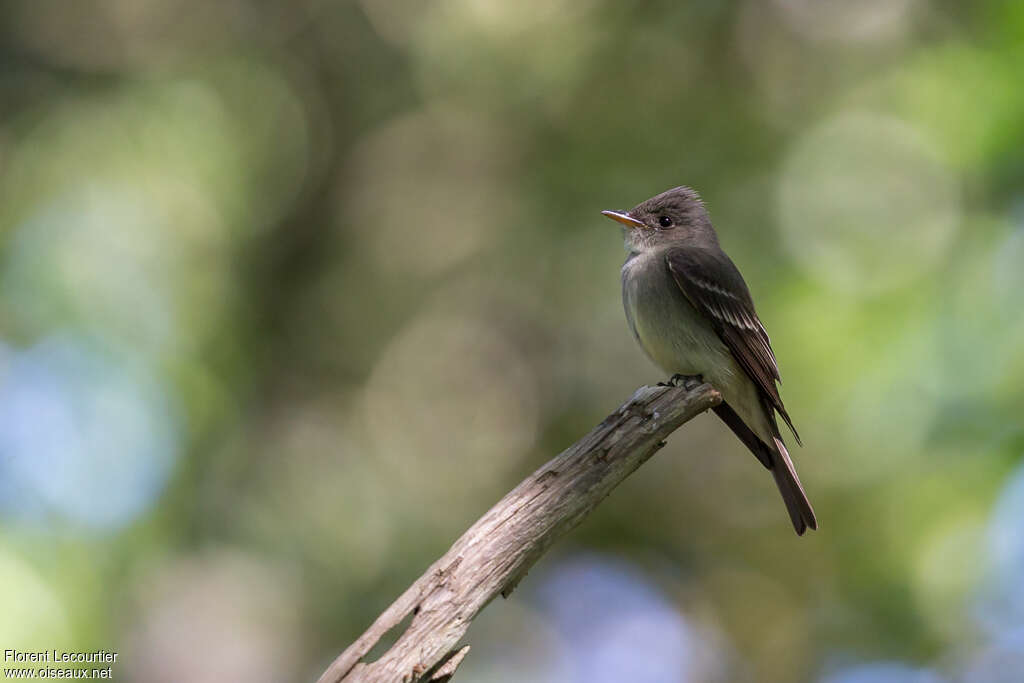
(685, 381)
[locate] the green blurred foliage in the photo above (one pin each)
(292, 292)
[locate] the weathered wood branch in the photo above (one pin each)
(497, 551)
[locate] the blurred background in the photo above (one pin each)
(291, 292)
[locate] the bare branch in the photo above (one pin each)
(496, 552)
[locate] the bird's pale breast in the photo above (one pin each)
(664, 322)
(674, 335)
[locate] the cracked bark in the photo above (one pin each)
(497, 551)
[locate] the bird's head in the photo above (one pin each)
(674, 216)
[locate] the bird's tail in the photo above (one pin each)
(800, 510)
(775, 458)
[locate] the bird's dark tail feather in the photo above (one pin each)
(800, 510)
(775, 458)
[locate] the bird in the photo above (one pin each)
(692, 314)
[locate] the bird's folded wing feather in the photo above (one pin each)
(713, 284)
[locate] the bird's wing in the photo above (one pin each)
(713, 284)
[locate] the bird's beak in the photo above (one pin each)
(623, 218)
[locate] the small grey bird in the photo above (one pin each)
(692, 313)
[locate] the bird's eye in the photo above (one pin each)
(664, 221)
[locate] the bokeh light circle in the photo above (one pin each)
(608, 611)
(884, 672)
(450, 400)
(851, 22)
(33, 616)
(237, 610)
(86, 442)
(865, 204)
(428, 190)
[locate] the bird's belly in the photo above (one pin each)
(677, 342)
(680, 340)
(667, 326)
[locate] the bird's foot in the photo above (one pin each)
(686, 381)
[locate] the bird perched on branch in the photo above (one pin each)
(692, 314)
